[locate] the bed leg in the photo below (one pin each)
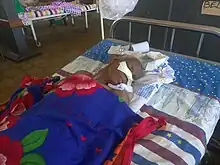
(23, 31)
(97, 9)
(102, 27)
(97, 6)
(86, 20)
(72, 20)
(2, 55)
(38, 44)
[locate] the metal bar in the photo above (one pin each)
(200, 44)
(1, 49)
(170, 10)
(129, 31)
(48, 17)
(33, 31)
(167, 52)
(97, 6)
(149, 34)
(168, 18)
(72, 20)
(102, 27)
(4, 20)
(170, 24)
(23, 31)
(86, 20)
(165, 38)
(172, 39)
(1, 54)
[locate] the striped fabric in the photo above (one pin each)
(52, 10)
(49, 12)
(85, 7)
(41, 13)
(88, 7)
(180, 143)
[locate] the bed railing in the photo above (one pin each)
(202, 29)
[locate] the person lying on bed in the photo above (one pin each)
(133, 64)
(111, 74)
(78, 122)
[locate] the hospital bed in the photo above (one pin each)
(34, 15)
(190, 104)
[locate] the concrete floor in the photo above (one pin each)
(60, 45)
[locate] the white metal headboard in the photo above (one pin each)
(167, 24)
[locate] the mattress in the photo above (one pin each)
(65, 7)
(55, 9)
(190, 106)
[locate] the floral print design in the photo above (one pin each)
(7, 121)
(81, 84)
(10, 151)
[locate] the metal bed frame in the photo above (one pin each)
(202, 29)
(214, 144)
(60, 16)
(37, 19)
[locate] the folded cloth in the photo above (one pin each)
(163, 75)
(152, 60)
(141, 47)
(124, 151)
(138, 48)
(157, 70)
(124, 51)
(118, 50)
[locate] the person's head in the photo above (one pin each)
(111, 74)
(133, 64)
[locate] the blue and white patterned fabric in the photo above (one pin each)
(197, 76)
(100, 51)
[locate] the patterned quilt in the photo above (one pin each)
(190, 105)
(56, 8)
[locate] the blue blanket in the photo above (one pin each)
(78, 122)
